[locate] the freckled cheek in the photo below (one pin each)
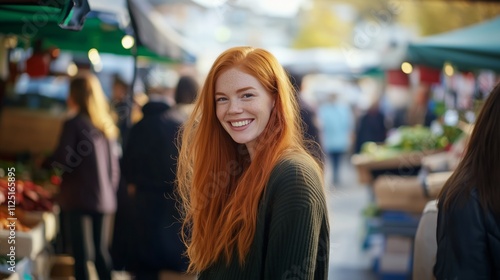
(220, 112)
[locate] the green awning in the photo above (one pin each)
(28, 17)
(471, 48)
(99, 30)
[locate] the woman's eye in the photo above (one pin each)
(220, 99)
(247, 95)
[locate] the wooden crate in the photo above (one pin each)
(24, 130)
(366, 163)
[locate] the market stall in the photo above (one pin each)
(31, 115)
(28, 226)
(398, 174)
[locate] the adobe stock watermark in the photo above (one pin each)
(75, 154)
(365, 35)
(232, 170)
(220, 180)
(222, 7)
(33, 23)
(302, 271)
(12, 219)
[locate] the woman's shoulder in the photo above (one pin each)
(71, 121)
(295, 184)
(80, 124)
(465, 203)
(293, 164)
(295, 172)
(464, 196)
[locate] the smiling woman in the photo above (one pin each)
(253, 197)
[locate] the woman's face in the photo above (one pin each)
(243, 106)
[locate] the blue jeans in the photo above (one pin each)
(335, 159)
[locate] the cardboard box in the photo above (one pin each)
(397, 255)
(435, 182)
(399, 193)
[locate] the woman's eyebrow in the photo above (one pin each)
(237, 91)
(244, 89)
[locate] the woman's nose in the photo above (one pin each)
(234, 107)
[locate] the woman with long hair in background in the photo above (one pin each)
(468, 226)
(88, 159)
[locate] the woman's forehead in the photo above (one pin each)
(235, 79)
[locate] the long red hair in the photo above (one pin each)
(219, 186)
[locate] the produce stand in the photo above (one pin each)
(42, 230)
(28, 224)
(400, 201)
(397, 174)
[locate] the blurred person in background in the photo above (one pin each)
(421, 111)
(370, 126)
(468, 223)
(120, 105)
(149, 165)
(127, 110)
(253, 196)
(337, 127)
(309, 118)
(87, 155)
(185, 95)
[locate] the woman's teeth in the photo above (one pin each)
(240, 123)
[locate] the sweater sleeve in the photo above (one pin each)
(296, 247)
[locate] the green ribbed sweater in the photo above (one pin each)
(292, 234)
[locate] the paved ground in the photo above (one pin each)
(348, 260)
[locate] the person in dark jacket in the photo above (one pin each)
(309, 119)
(149, 165)
(371, 127)
(185, 94)
(87, 156)
(468, 225)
